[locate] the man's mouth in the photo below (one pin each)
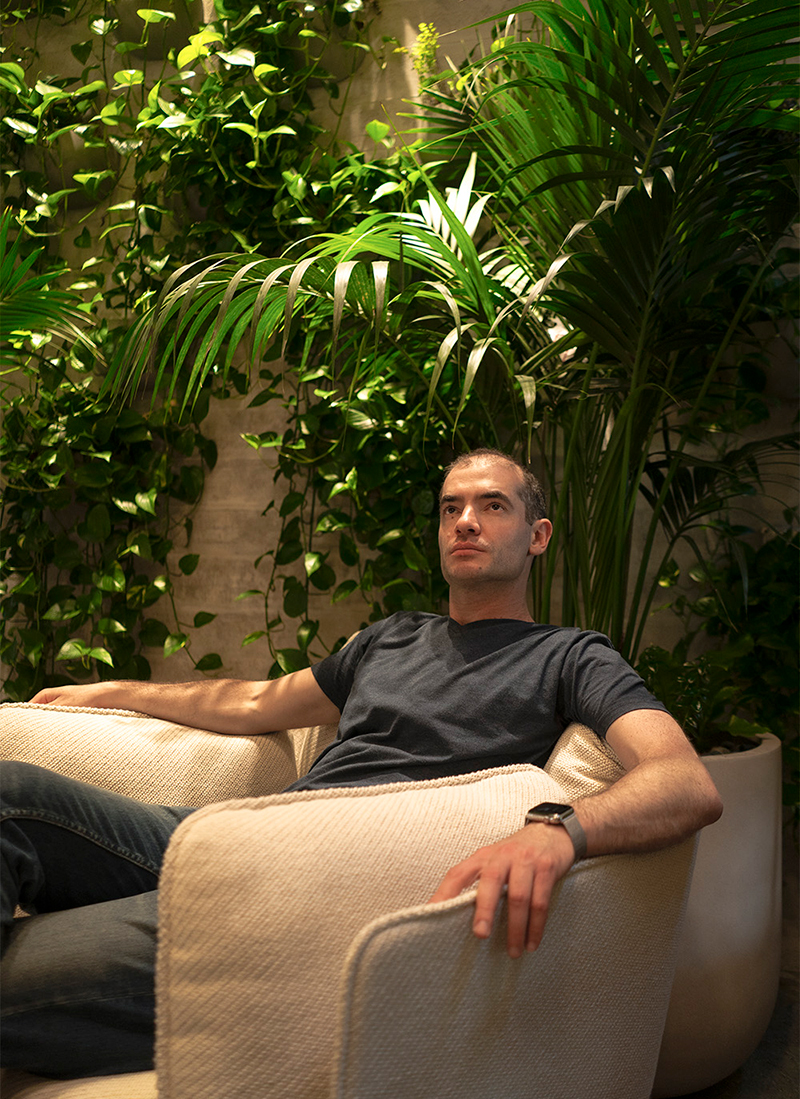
(469, 547)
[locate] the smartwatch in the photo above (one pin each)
(550, 812)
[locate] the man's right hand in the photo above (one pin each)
(94, 695)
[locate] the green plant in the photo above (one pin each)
(598, 310)
(32, 302)
(86, 518)
(424, 52)
(362, 456)
(746, 683)
(92, 505)
(212, 147)
(225, 152)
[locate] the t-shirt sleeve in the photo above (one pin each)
(598, 685)
(335, 673)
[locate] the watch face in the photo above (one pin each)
(548, 807)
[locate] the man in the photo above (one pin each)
(418, 696)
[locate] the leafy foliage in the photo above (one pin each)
(603, 318)
(93, 500)
(31, 303)
(83, 485)
(213, 143)
(213, 147)
(746, 683)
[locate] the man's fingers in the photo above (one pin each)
(539, 905)
(521, 882)
(491, 875)
(529, 864)
(490, 886)
(454, 881)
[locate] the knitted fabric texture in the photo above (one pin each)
(583, 763)
(129, 1085)
(435, 1011)
(301, 874)
(154, 760)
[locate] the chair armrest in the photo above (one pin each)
(260, 903)
(155, 760)
(256, 993)
(439, 1012)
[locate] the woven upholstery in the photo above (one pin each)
(583, 763)
(301, 873)
(579, 1019)
(154, 760)
(283, 918)
(128, 1085)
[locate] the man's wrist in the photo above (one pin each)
(564, 816)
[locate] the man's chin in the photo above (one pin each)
(465, 571)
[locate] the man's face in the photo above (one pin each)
(483, 534)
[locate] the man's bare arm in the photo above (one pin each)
(665, 796)
(220, 705)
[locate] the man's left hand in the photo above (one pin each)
(529, 863)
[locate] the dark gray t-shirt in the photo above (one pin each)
(422, 697)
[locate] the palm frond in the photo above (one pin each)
(29, 303)
(632, 163)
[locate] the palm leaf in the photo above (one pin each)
(29, 303)
(632, 165)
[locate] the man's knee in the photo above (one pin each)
(22, 784)
(78, 989)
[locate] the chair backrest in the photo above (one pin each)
(154, 760)
(583, 763)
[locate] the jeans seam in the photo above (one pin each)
(67, 1001)
(43, 817)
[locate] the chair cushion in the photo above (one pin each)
(154, 760)
(583, 763)
(249, 967)
(128, 1085)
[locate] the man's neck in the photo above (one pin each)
(478, 604)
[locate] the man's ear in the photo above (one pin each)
(541, 533)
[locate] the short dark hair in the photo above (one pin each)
(530, 490)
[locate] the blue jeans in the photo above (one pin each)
(77, 974)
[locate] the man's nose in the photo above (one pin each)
(467, 520)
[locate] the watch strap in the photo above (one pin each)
(576, 834)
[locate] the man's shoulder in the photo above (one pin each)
(574, 635)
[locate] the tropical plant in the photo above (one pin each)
(733, 675)
(211, 146)
(32, 302)
(227, 154)
(93, 496)
(597, 308)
